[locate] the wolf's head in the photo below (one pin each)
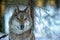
(20, 21)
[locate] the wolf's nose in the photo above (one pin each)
(22, 27)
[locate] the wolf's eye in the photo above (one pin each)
(25, 18)
(17, 18)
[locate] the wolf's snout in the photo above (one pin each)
(22, 27)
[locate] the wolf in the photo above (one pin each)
(21, 25)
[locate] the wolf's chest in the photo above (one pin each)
(28, 35)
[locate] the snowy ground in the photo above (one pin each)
(47, 24)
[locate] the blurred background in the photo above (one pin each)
(46, 14)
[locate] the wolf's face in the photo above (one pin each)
(20, 21)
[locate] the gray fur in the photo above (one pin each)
(21, 25)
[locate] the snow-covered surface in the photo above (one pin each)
(46, 23)
(8, 14)
(5, 38)
(2, 37)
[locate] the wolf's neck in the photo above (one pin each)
(25, 36)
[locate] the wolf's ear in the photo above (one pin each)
(16, 9)
(27, 10)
